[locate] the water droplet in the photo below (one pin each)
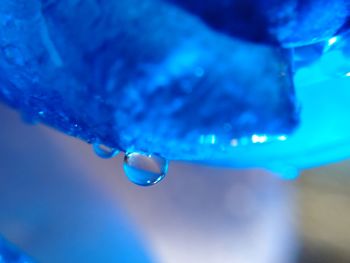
(145, 169)
(104, 151)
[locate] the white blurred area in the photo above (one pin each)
(61, 203)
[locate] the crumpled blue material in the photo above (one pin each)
(152, 76)
(289, 23)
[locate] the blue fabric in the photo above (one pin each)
(288, 22)
(143, 75)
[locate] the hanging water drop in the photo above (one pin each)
(145, 169)
(104, 151)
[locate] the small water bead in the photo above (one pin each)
(145, 169)
(104, 151)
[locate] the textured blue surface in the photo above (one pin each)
(143, 76)
(322, 81)
(288, 22)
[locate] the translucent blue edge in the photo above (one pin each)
(323, 91)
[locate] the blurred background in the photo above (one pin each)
(59, 202)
